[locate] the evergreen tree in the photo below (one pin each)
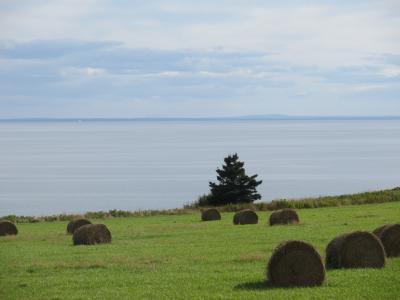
(233, 186)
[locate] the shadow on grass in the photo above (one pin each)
(261, 285)
(255, 285)
(147, 236)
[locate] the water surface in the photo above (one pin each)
(72, 167)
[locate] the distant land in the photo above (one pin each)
(232, 118)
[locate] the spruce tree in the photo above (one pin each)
(233, 186)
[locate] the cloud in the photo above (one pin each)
(318, 33)
(112, 73)
(369, 87)
(199, 58)
(50, 49)
(86, 72)
(93, 72)
(391, 71)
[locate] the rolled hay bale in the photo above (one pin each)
(295, 263)
(358, 249)
(210, 214)
(246, 216)
(75, 224)
(7, 228)
(92, 234)
(389, 235)
(284, 216)
(69, 227)
(236, 218)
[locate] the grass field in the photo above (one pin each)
(180, 257)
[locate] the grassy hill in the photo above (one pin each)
(381, 196)
(180, 257)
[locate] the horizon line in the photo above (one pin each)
(209, 118)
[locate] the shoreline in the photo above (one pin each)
(381, 196)
(207, 119)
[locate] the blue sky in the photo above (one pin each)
(78, 58)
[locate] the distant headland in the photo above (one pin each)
(268, 117)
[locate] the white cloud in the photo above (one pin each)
(83, 72)
(209, 57)
(368, 87)
(391, 71)
(90, 72)
(164, 74)
(329, 35)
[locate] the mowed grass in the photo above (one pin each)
(180, 257)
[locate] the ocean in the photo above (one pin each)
(53, 167)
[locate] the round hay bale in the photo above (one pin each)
(69, 226)
(210, 214)
(389, 235)
(92, 234)
(7, 228)
(236, 218)
(75, 224)
(359, 249)
(284, 216)
(295, 263)
(246, 216)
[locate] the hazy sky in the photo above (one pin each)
(77, 58)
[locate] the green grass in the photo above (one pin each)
(180, 257)
(382, 196)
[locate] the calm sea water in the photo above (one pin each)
(72, 167)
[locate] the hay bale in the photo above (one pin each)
(75, 224)
(236, 218)
(295, 263)
(69, 226)
(246, 216)
(284, 216)
(7, 228)
(92, 234)
(210, 214)
(359, 249)
(389, 235)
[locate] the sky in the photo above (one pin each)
(88, 58)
